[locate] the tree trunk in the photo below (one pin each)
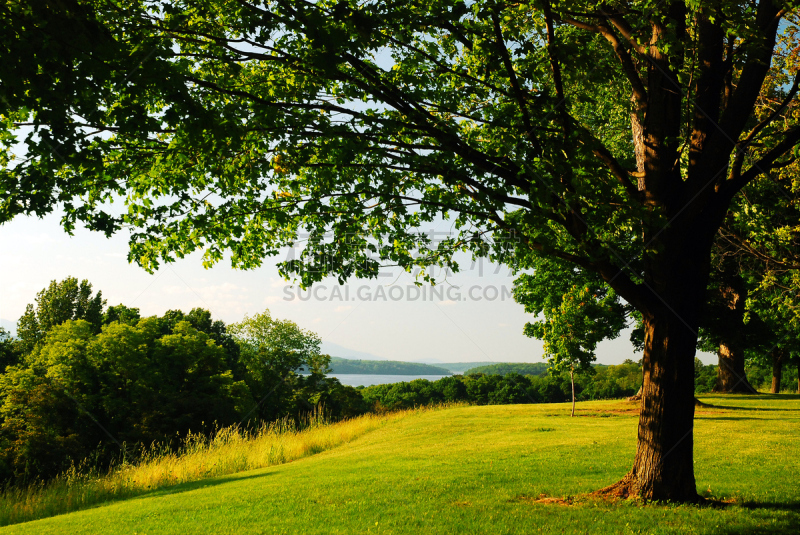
(572, 380)
(798, 376)
(663, 468)
(777, 369)
(731, 376)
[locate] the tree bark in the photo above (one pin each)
(663, 468)
(675, 280)
(777, 369)
(572, 380)
(731, 375)
(798, 376)
(637, 396)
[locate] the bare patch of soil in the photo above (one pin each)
(547, 500)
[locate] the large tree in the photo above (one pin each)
(612, 136)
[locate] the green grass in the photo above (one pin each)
(480, 470)
(230, 450)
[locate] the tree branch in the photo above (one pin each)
(791, 138)
(512, 76)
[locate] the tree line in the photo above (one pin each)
(608, 382)
(86, 382)
(760, 374)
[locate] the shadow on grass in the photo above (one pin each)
(746, 518)
(757, 397)
(776, 518)
(140, 494)
(761, 396)
(780, 506)
(706, 417)
(201, 484)
(776, 529)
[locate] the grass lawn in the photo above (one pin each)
(481, 470)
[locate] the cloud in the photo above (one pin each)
(277, 282)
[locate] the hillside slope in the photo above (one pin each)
(479, 470)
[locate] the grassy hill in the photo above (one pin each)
(384, 367)
(483, 470)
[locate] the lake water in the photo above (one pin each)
(365, 379)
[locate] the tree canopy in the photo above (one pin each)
(59, 302)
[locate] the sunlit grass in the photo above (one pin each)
(499, 469)
(228, 451)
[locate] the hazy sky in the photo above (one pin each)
(472, 317)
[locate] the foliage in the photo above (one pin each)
(122, 314)
(367, 120)
(201, 320)
(384, 367)
(100, 388)
(760, 376)
(9, 349)
(576, 318)
(59, 302)
(272, 353)
(705, 377)
(579, 309)
(127, 384)
(462, 367)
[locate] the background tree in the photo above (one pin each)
(200, 319)
(760, 245)
(274, 352)
(122, 314)
(59, 302)
(81, 394)
(723, 327)
(9, 349)
(579, 312)
(612, 137)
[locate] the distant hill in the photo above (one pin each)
(461, 367)
(384, 367)
(335, 350)
(522, 368)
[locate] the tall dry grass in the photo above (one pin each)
(228, 451)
